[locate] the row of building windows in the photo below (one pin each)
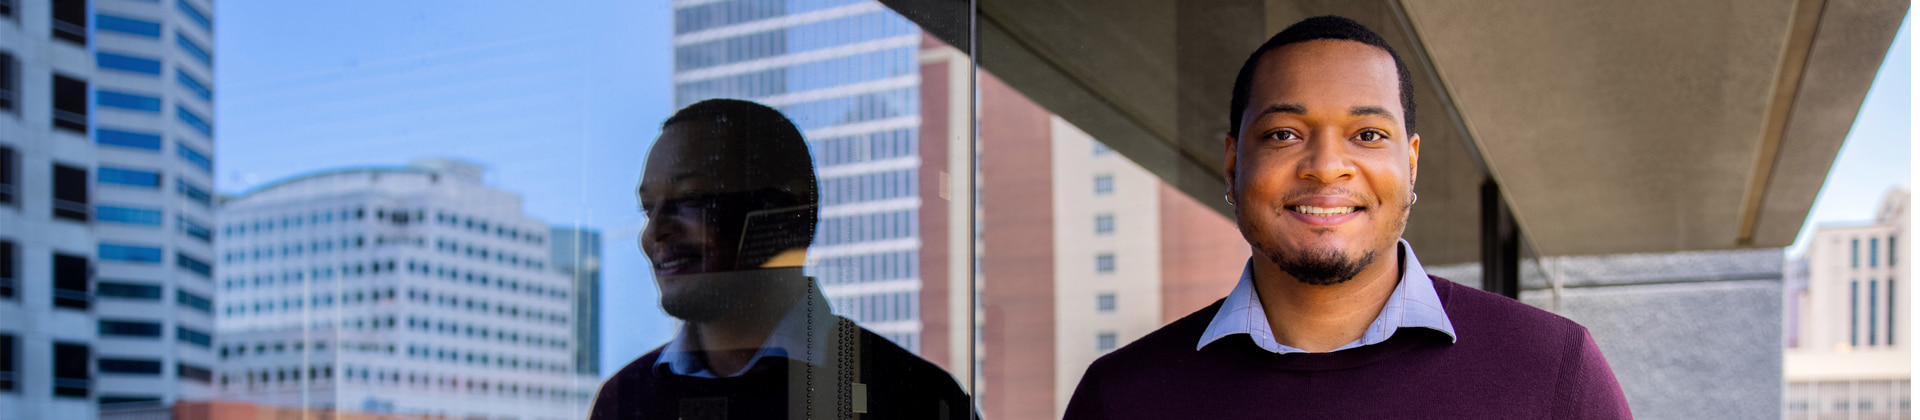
(293, 376)
(846, 30)
(260, 226)
(125, 328)
(868, 227)
(375, 268)
(72, 363)
(483, 333)
(449, 355)
(133, 139)
(866, 268)
(1873, 251)
(803, 77)
(454, 247)
(728, 12)
(1873, 314)
(152, 217)
(72, 193)
(482, 280)
(294, 249)
(851, 109)
(879, 307)
(869, 187)
(485, 227)
(865, 147)
(135, 290)
(269, 306)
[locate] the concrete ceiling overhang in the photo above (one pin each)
(1612, 127)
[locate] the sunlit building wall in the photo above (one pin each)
(411, 290)
(106, 164)
(1852, 358)
(845, 72)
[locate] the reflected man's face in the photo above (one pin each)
(685, 193)
(1323, 170)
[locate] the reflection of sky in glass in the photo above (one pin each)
(560, 102)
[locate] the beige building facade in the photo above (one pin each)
(1851, 356)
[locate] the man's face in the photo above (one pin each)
(693, 220)
(1323, 170)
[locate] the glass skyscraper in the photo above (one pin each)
(847, 73)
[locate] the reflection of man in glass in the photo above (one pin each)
(1334, 317)
(731, 201)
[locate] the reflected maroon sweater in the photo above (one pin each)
(1511, 361)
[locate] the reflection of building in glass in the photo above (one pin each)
(1081, 250)
(845, 72)
(1851, 356)
(576, 253)
(106, 168)
(394, 290)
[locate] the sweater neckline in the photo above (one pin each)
(1241, 347)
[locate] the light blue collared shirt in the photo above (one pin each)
(1414, 304)
(789, 340)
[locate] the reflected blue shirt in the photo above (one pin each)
(1413, 304)
(789, 340)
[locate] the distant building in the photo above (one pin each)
(1080, 250)
(409, 290)
(576, 253)
(106, 210)
(1851, 356)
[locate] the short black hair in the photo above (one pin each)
(770, 143)
(1315, 28)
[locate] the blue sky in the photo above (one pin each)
(561, 101)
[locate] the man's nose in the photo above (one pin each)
(1327, 160)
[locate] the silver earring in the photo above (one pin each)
(1416, 199)
(1229, 198)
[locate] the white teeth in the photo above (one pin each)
(673, 264)
(1322, 211)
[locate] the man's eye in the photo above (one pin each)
(1372, 136)
(1282, 135)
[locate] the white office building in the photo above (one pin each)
(106, 245)
(1850, 356)
(406, 290)
(847, 73)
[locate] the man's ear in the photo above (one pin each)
(1233, 148)
(1413, 158)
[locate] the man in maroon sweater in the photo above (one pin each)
(1334, 317)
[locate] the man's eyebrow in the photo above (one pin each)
(1295, 109)
(1369, 110)
(642, 189)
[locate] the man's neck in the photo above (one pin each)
(1319, 318)
(729, 342)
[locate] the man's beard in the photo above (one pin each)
(1322, 267)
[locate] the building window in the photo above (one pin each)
(190, 300)
(193, 121)
(72, 278)
(107, 401)
(127, 101)
(194, 229)
(193, 265)
(1105, 303)
(71, 374)
(129, 177)
(126, 25)
(194, 14)
(9, 277)
(1101, 149)
(1102, 184)
(193, 84)
(1106, 341)
(130, 366)
(130, 253)
(1853, 312)
(127, 63)
(195, 373)
(1873, 312)
(193, 48)
(129, 215)
(1891, 298)
(9, 375)
(1873, 252)
(1893, 252)
(1856, 253)
(9, 176)
(9, 80)
(193, 336)
(130, 329)
(69, 104)
(70, 21)
(121, 290)
(1103, 224)
(1103, 263)
(128, 139)
(193, 192)
(70, 193)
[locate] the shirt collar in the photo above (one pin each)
(1414, 304)
(789, 339)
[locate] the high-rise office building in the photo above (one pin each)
(414, 290)
(1850, 354)
(576, 254)
(106, 211)
(846, 72)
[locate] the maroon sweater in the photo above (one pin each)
(1511, 361)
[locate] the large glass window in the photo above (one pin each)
(69, 104)
(193, 120)
(70, 193)
(129, 328)
(70, 21)
(129, 290)
(193, 48)
(127, 25)
(72, 373)
(129, 177)
(130, 253)
(195, 14)
(72, 282)
(194, 156)
(129, 215)
(127, 101)
(128, 139)
(127, 63)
